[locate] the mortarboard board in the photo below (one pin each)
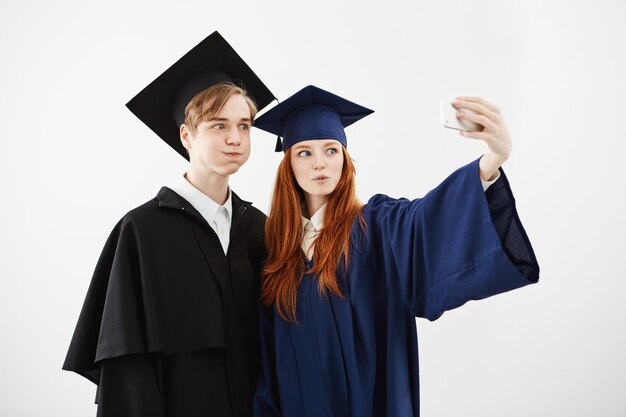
(311, 113)
(162, 103)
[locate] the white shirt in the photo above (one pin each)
(312, 227)
(218, 217)
(311, 230)
(487, 184)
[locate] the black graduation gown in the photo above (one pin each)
(169, 324)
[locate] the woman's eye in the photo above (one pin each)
(304, 153)
(331, 151)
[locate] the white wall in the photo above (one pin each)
(73, 160)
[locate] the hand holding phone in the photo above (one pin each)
(491, 129)
(451, 121)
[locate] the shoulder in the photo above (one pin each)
(127, 230)
(377, 201)
(253, 216)
(144, 214)
(381, 203)
(251, 209)
(255, 213)
(149, 208)
(254, 223)
(151, 216)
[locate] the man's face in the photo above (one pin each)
(221, 145)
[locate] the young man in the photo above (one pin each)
(169, 325)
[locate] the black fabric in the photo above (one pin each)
(164, 287)
(181, 385)
(509, 227)
(129, 386)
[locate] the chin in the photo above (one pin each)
(319, 193)
(230, 171)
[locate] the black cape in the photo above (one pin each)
(169, 325)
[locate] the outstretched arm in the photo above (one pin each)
(456, 244)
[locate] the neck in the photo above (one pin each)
(213, 185)
(313, 203)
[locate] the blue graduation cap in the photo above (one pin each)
(311, 113)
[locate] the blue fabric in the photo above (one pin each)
(311, 113)
(358, 356)
(313, 122)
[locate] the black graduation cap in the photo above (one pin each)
(311, 113)
(162, 103)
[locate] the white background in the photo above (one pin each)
(73, 160)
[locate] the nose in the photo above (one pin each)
(233, 137)
(319, 163)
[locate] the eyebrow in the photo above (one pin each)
(330, 143)
(226, 119)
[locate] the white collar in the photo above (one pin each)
(317, 220)
(206, 206)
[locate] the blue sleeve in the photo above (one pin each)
(456, 244)
(265, 402)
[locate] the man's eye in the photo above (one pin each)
(219, 126)
(244, 126)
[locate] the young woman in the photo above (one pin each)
(343, 281)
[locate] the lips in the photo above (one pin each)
(320, 178)
(232, 154)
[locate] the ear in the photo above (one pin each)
(185, 136)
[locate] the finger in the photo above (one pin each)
(478, 108)
(482, 101)
(478, 118)
(476, 135)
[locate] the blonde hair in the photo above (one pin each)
(209, 102)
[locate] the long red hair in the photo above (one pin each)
(285, 266)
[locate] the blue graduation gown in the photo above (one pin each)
(357, 356)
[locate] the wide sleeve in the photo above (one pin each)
(265, 402)
(129, 388)
(456, 244)
(111, 322)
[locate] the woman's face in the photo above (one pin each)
(317, 166)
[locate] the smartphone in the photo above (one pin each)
(449, 119)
